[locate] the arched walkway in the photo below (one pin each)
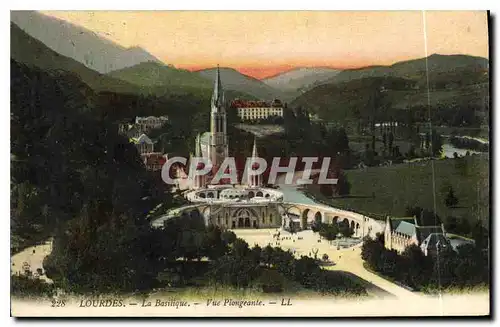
(304, 217)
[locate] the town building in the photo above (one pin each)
(143, 144)
(146, 124)
(402, 232)
(154, 161)
(255, 110)
(136, 134)
(141, 125)
(129, 130)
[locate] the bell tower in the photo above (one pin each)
(218, 149)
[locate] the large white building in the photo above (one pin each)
(255, 110)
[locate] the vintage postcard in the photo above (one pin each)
(250, 163)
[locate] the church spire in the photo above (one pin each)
(254, 180)
(218, 95)
(197, 149)
(254, 150)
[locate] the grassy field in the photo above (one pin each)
(389, 190)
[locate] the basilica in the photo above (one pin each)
(244, 205)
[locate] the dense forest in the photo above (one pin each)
(65, 162)
(459, 102)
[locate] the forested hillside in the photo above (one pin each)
(65, 163)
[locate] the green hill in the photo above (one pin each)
(162, 79)
(154, 74)
(300, 79)
(390, 190)
(458, 91)
(439, 67)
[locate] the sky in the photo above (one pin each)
(264, 43)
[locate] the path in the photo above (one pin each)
(33, 256)
(348, 260)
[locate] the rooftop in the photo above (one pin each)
(237, 103)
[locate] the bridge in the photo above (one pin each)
(309, 213)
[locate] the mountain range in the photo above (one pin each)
(234, 80)
(32, 52)
(78, 43)
(433, 66)
(455, 86)
(454, 80)
(300, 79)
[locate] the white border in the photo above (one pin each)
(203, 5)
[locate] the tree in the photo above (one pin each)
(228, 236)
(342, 144)
(480, 235)
(464, 227)
(240, 248)
(437, 144)
(391, 140)
(343, 187)
(452, 224)
(214, 246)
(328, 231)
(417, 266)
(450, 200)
(411, 152)
(427, 140)
(267, 255)
(234, 271)
(462, 166)
(387, 262)
(271, 281)
(256, 254)
(371, 250)
(345, 229)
